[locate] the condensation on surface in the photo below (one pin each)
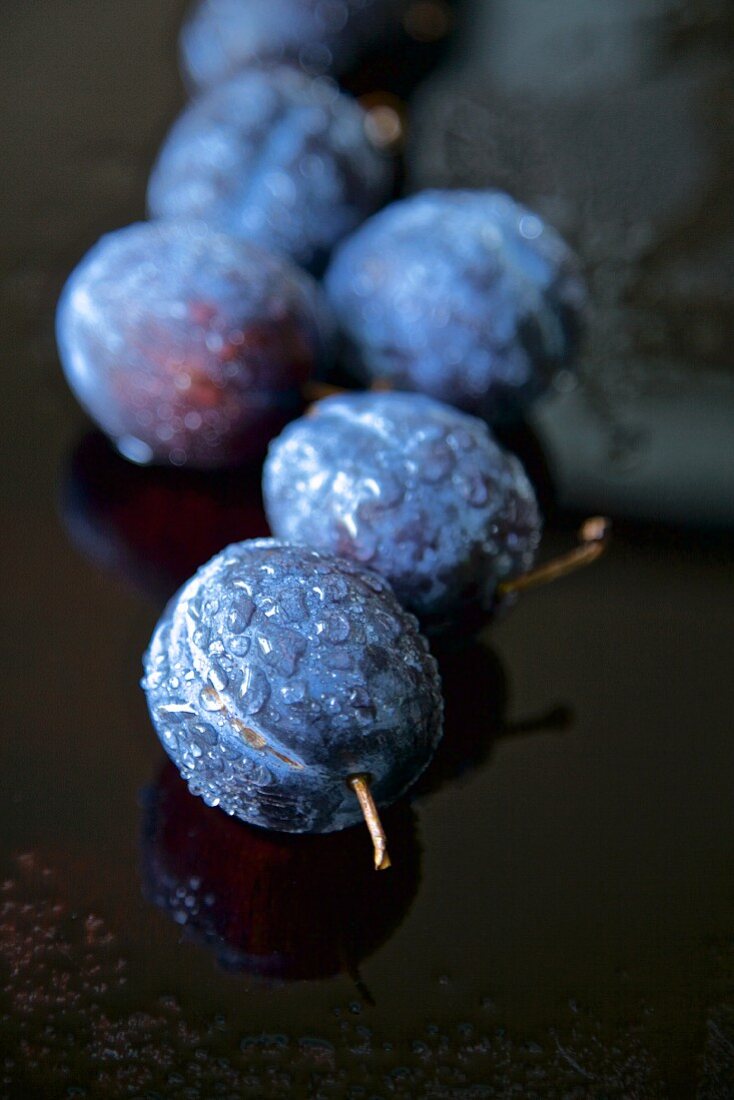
(65, 968)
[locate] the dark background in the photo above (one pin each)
(563, 925)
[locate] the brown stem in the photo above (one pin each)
(314, 390)
(593, 537)
(360, 784)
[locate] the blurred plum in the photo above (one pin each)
(276, 157)
(186, 346)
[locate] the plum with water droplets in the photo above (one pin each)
(417, 490)
(278, 674)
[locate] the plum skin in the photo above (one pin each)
(189, 347)
(415, 489)
(464, 295)
(273, 156)
(277, 672)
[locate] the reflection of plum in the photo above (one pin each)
(154, 526)
(283, 907)
(476, 697)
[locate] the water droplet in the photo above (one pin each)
(283, 649)
(239, 645)
(254, 690)
(373, 581)
(293, 605)
(261, 776)
(210, 699)
(218, 677)
(360, 699)
(240, 613)
(334, 590)
(205, 734)
(135, 449)
(153, 680)
(336, 628)
(294, 693)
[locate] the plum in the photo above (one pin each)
(276, 157)
(417, 490)
(187, 346)
(464, 295)
(279, 676)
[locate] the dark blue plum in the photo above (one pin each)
(278, 672)
(464, 295)
(220, 37)
(413, 488)
(187, 346)
(276, 157)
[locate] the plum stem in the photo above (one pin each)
(314, 390)
(360, 784)
(593, 541)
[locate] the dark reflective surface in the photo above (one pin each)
(562, 917)
(154, 527)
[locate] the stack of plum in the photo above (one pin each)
(289, 679)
